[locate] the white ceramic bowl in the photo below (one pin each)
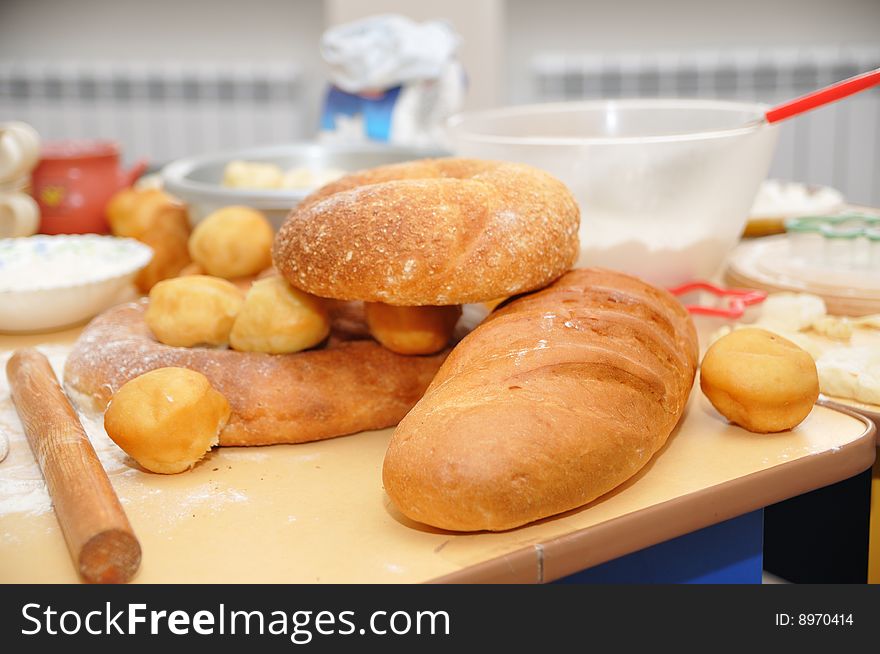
(198, 180)
(664, 186)
(50, 282)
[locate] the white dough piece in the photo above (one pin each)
(781, 198)
(839, 328)
(252, 174)
(851, 372)
(792, 312)
(309, 178)
(4, 445)
(803, 341)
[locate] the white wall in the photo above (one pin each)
(176, 32)
(571, 26)
(501, 36)
(165, 30)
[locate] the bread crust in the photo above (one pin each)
(557, 398)
(431, 232)
(350, 385)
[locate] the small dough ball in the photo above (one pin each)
(792, 312)
(278, 318)
(412, 330)
(193, 310)
(191, 268)
(167, 419)
(491, 305)
(244, 283)
(131, 212)
(271, 271)
(155, 219)
(233, 242)
(119, 209)
(252, 174)
(170, 252)
(759, 380)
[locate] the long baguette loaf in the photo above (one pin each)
(554, 400)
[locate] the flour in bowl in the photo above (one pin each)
(42, 262)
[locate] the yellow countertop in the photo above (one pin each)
(316, 512)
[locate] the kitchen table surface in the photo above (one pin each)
(316, 512)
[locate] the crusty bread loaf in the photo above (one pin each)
(554, 400)
(431, 232)
(345, 387)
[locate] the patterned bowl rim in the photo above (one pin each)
(139, 256)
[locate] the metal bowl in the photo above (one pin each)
(198, 180)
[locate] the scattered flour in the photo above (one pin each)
(23, 490)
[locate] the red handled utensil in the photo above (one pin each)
(737, 299)
(833, 93)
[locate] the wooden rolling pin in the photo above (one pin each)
(99, 537)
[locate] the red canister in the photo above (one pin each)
(73, 183)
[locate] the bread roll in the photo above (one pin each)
(252, 174)
(167, 419)
(347, 386)
(155, 219)
(233, 242)
(412, 330)
(193, 310)
(558, 397)
(279, 319)
(431, 232)
(192, 268)
(759, 380)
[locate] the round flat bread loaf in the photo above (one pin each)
(345, 387)
(431, 232)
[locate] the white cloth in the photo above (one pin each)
(381, 52)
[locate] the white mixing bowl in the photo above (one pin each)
(50, 282)
(664, 186)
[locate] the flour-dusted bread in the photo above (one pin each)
(431, 232)
(557, 398)
(351, 384)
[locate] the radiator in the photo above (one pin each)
(837, 145)
(157, 111)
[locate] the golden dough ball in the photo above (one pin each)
(278, 318)
(192, 268)
(118, 210)
(252, 174)
(271, 271)
(243, 283)
(167, 419)
(491, 305)
(412, 330)
(193, 310)
(130, 212)
(759, 380)
(155, 219)
(233, 242)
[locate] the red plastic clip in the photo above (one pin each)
(737, 299)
